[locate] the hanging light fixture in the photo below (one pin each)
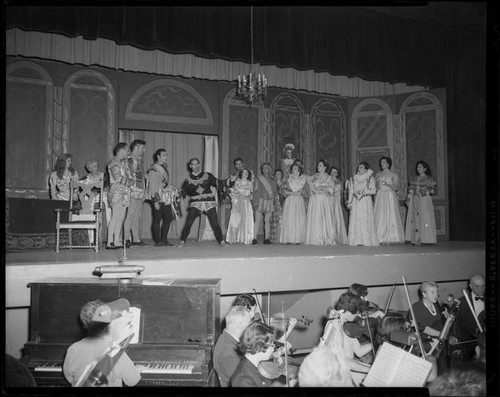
(251, 87)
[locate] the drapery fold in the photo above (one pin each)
(107, 53)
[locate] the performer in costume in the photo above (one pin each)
(320, 229)
(338, 215)
(240, 228)
(265, 192)
(293, 228)
(93, 177)
(387, 218)
(198, 186)
(238, 165)
(162, 196)
(277, 218)
(59, 179)
(420, 222)
(120, 182)
(137, 193)
(288, 160)
(361, 220)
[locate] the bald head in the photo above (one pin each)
(476, 284)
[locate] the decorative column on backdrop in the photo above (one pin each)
(210, 164)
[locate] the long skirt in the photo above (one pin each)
(293, 224)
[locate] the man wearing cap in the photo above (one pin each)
(100, 336)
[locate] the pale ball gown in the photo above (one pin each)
(293, 226)
(387, 218)
(240, 228)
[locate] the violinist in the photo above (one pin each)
(430, 317)
(248, 302)
(465, 326)
(226, 356)
(348, 307)
(257, 345)
(372, 309)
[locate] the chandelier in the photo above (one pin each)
(251, 87)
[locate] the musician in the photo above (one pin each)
(386, 326)
(459, 383)
(248, 302)
(465, 326)
(324, 367)
(257, 344)
(349, 308)
(198, 186)
(226, 355)
(362, 291)
(100, 336)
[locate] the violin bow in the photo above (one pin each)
(471, 307)
(259, 308)
(419, 338)
(369, 334)
(286, 347)
(391, 294)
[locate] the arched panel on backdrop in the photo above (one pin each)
(88, 118)
(371, 134)
(29, 108)
(241, 128)
(288, 119)
(169, 101)
(423, 136)
(329, 126)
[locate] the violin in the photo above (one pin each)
(273, 370)
(358, 328)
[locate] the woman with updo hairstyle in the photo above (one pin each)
(320, 229)
(420, 221)
(241, 223)
(256, 344)
(338, 215)
(362, 221)
(61, 177)
(293, 226)
(387, 218)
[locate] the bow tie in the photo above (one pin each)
(476, 298)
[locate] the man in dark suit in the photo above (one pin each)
(226, 352)
(465, 326)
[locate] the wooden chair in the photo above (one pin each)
(88, 217)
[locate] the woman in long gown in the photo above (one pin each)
(361, 221)
(278, 208)
(338, 216)
(387, 218)
(293, 227)
(240, 229)
(320, 229)
(60, 179)
(420, 222)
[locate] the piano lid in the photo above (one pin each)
(173, 311)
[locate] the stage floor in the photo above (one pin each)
(210, 250)
(276, 267)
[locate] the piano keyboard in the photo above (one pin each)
(165, 367)
(48, 367)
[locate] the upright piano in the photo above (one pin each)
(179, 325)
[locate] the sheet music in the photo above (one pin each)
(394, 367)
(135, 317)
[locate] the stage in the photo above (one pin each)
(276, 267)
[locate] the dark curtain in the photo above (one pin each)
(340, 40)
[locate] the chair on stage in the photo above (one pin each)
(84, 213)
